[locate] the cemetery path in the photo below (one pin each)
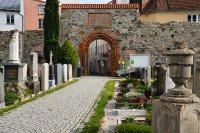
(60, 112)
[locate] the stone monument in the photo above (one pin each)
(2, 103)
(33, 82)
(45, 77)
(178, 110)
(51, 72)
(65, 73)
(59, 74)
(13, 69)
(69, 72)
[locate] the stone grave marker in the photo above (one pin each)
(2, 103)
(45, 76)
(33, 82)
(51, 72)
(65, 73)
(69, 72)
(59, 74)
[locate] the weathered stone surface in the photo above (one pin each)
(2, 103)
(59, 74)
(69, 72)
(45, 76)
(25, 68)
(65, 78)
(175, 117)
(34, 67)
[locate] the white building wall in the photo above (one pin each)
(7, 27)
(122, 1)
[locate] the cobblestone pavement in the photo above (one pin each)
(60, 112)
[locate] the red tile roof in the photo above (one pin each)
(172, 5)
(100, 6)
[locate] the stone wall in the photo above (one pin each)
(30, 41)
(149, 38)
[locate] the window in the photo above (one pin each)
(193, 18)
(40, 23)
(10, 19)
(41, 9)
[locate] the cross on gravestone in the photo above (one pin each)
(51, 55)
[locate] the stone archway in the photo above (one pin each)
(88, 39)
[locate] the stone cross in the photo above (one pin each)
(14, 48)
(51, 55)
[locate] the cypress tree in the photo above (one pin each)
(51, 29)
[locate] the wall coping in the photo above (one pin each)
(100, 6)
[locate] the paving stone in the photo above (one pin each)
(62, 111)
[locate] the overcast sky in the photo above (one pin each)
(94, 1)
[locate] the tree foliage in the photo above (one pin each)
(51, 29)
(67, 54)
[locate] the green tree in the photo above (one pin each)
(51, 29)
(68, 54)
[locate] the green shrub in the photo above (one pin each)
(11, 98)
(133, 128)
(129, 120)
(123, 100)
(148, 119)
(129, 80)
(67, 54)
(124, 90)
(11, 93)
(134, 106)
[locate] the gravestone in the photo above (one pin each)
(51, 72)
(69, 72)
(25, 71)
(45, 77)
(13, 69)
(168, 81)
(2, 103)
(59, 74)
(161, 79)
(65, 73)
(33, 82)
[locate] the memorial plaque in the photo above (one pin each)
(11, 74)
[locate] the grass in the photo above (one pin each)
(95, 121)
(14, 106)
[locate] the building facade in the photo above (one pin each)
(164, 11)
(11, 15)
(99, 57)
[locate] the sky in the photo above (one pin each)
(94, 1)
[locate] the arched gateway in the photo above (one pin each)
(83, 24)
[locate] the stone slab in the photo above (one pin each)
(70, 72)
(65, 78)
(2, 103)
(34, 67)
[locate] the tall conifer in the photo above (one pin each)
(51, 29)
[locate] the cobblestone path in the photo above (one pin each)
(60, 112)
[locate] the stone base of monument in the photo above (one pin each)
(2, 105)
(52, 83)
(35, 86)
(176, 115)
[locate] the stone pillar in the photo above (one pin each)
(34, 67)
(59, 74)
(2, 103)
(33, 82)
(25, 71)
(69, 72)
(45, 76)
(65, 73)
(178, 110)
